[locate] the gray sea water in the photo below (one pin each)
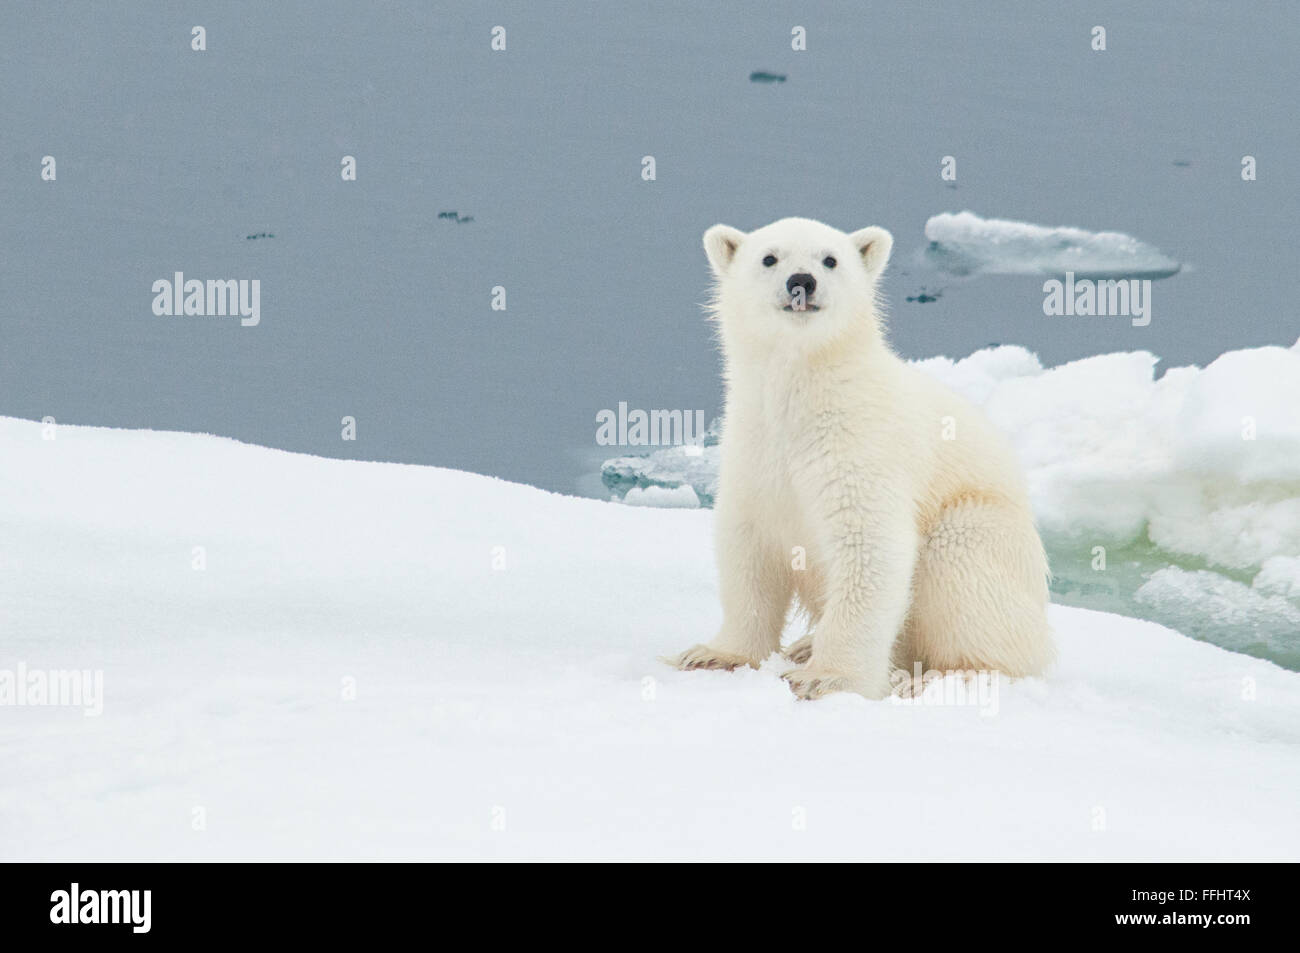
(375, 306)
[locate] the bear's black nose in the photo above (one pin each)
(802, 280)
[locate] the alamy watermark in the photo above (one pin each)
(211, 298)
(955, 687)
(654, 428)
(55, 687)
(1109, 297)
(78, 905)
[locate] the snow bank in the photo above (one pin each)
(400, 662)
(963, 244)
(1279, 576)
(1207, 461)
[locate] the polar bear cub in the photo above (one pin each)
(887, 505)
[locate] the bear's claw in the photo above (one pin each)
(808, 684)
(706, 657)
(800, 652)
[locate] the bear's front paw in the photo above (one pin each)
(800, 652)
(809, 683)
(705, 656)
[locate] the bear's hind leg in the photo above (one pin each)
(980, 595)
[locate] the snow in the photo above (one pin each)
(502, 645)
(965, 244)
(1279, 576)
(1207, 460)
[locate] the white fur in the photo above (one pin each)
(918, 548)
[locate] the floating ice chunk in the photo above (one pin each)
(682, 497)
(963, 244)
(694, 466)
(1229, 613)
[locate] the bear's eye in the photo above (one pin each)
(828, 261)
(769, 261)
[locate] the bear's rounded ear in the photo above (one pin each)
(874, 245)
(720, 244)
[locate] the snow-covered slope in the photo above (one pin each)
(501, 643)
